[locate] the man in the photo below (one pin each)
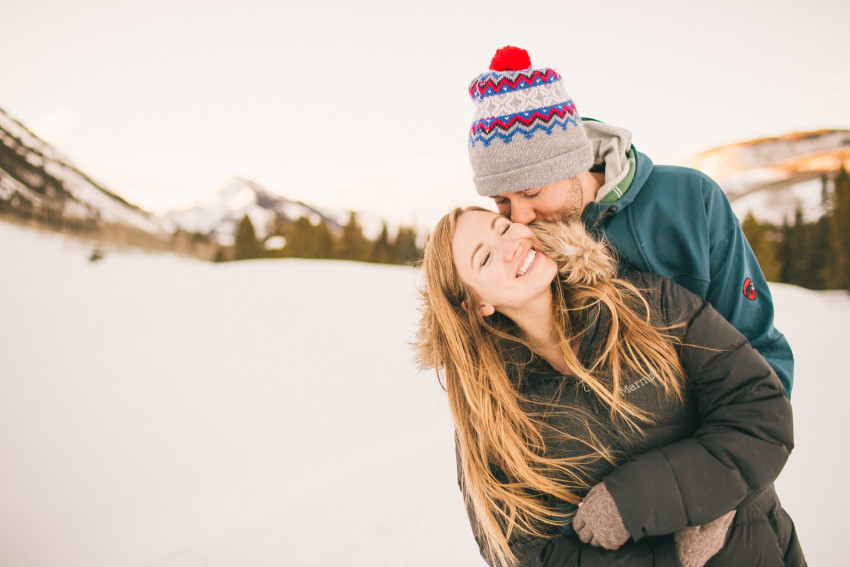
(533, 154)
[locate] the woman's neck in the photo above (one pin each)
(536, 322)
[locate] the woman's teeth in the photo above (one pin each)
(527, 263)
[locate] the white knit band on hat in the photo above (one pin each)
(526, 131)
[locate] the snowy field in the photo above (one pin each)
(164, 412)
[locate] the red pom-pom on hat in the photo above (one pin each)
(510, 58)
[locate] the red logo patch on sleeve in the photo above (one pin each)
(749, 289)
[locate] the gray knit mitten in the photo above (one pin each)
(598, 521)
(695, 545)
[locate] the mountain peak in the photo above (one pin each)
(219, 214)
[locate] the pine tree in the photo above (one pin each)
(247, 246)
(792, 250)
(220, 255)
(382, 251)
(818, 257)
(802, 265)
(839, 232)
(759, 237)
(353, 245)
(407, 250)
(809, 244)
(298, 238)
(325, 241)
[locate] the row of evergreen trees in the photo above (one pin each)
(303, 239)
(813, 254)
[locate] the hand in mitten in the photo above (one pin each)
(695, 545)
(598, 521)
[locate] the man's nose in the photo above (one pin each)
(522, 213)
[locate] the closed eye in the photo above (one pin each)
(507, 226)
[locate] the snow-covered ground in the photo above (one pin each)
(167, 412)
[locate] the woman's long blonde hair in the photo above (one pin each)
(510, 481)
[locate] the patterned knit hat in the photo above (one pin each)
(526, 131)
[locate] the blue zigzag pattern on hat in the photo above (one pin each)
(491, 84)
(528, 132)
(527, 117)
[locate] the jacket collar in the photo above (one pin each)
(611, 147)
(626, 169)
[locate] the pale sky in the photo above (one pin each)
(364, 104)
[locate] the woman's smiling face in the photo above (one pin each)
(498, 260)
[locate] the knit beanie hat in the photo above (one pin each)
(526, 131)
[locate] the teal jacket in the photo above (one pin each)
(677, 222)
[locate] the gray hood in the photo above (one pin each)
(610, 146)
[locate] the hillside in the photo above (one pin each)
(40, 185)
(772, 177)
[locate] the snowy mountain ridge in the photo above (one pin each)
(47, 180)
(220, 213)
(791, 154)
(772, 177)
(38, 182)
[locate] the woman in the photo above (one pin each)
(619, 409)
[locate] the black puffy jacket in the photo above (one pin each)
(720, 450)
